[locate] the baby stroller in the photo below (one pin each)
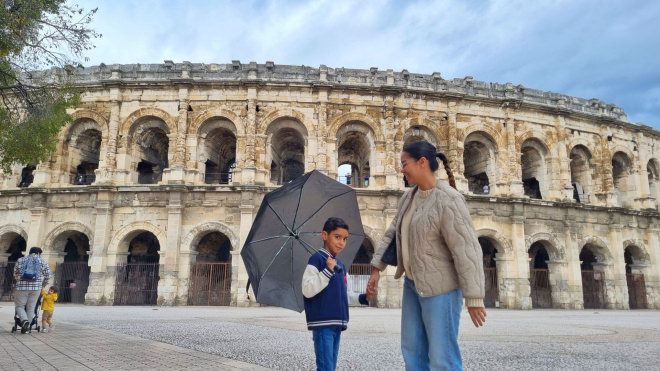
(35, 319)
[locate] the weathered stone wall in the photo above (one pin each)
(277, 120)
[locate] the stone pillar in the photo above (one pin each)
(37, 224)
(653, 279)
(241, 297)
(644, 199)
(573, 271)
(563, 161)
(607, 177)
(250, 172)
(110, 278)
(168, 282)
(175, 174)
(515, 169)
(107, 166)
(322, 133)
(4, 258)
(616, 285)
(560, 291)
(455, 151)
(186, 261)
(523, 291)
(98, 250)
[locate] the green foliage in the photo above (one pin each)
(35, 35)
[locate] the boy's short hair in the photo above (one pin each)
(35, 250)
(53, 288)
(334, 223)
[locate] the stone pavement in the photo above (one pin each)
(229, 338)
(78, 347)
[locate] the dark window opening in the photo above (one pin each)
(26, 176)
(532, 188)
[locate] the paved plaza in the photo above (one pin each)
(228, 338)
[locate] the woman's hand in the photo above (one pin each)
(372, 286)
(478, 315)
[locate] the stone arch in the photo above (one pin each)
(120, 241)
(356, 146)
(7, 231)
(215, 150)
(339, 121)
(641, 250)
(496, 236)
(622, 168)
(92, 115)
(582, 163)
(533, 155)
(197, 233)
(623, 149)
(416, 133)
(148, 112)
(602, 252)
(554, 247)
(479, 160)
(495, 136)
(211, 113)
(286, 149)
(81, 150)
(51, 237)
(532, 134)
(283, 113)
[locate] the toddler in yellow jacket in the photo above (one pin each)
(48, 306)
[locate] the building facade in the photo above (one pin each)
(155, 183)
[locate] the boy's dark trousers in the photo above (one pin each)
(326, 348)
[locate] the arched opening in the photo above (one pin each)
(137, 280)
(491, 299)
(210, 282)
(635, 263)
(593, 279)
(84, 147)
(285, 144)
(539, 278)
(581, 174)
(360, 270)
(534, 170)
(219, 149)
(621, 175)
(27, 176)
(354, 144)
(150, 150)
(14, 247)
(479, 162)
(72, 274)
(653, 172)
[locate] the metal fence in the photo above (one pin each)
(218, 177)
(137, 284)
(593, 289)
(210, 284)
(539, 282)
(492, 298)
(7, 281)
(72, 280)
(360, 274)
(636, 291)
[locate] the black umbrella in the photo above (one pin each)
(287, 231)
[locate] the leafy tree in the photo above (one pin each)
(36, 35)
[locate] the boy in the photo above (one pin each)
(48, 306)
(324, 287)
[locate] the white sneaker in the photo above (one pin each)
(44, 330)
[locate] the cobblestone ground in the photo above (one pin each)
(275, 338)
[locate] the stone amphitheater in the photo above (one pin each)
(155, 184)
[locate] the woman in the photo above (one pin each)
(438, 250)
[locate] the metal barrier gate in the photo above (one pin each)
(72, 280)
(210, 284)
(137, 284)
(7, 281)
(539, 281)
(636, 291)
(492, 297)
(360, 274)
(593, 289)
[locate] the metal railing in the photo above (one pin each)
(218, 178)
(7, 281)
(82, 179)
(137, 284)
(360, 274)
(210, 284)
(72, 280)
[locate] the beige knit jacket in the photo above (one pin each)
(445, 252)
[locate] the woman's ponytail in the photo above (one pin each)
(450, 174)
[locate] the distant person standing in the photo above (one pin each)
(32, 273)
(348, 178)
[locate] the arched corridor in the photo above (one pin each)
(211, 273)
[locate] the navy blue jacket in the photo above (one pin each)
(326, 294)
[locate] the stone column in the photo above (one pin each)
(322, 133)
(607, 177)
(455, 150)
(250, 169)
(573, 273)
(107, 166)
(563, 161)
(168, 282)
(515, 169)
(241, 297)
(644, 199)
(523, 291)
(98, 250)
(616, 285)
(37, 223)
(558, 277)
(186, 261)
(653, 279)
(110, 279)
(175, 174)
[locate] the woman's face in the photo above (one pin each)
(411, 168)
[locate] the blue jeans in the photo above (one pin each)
(429, 329)
(326, 348)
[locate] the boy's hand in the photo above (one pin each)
(331, 263)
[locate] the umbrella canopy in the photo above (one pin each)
(287, 231)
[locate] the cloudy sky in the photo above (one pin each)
(608, 50)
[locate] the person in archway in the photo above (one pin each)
(29, 284)
(438, 250)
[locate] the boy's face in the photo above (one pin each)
(51, 291)
(335, 240)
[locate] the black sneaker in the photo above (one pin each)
(24, 327)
